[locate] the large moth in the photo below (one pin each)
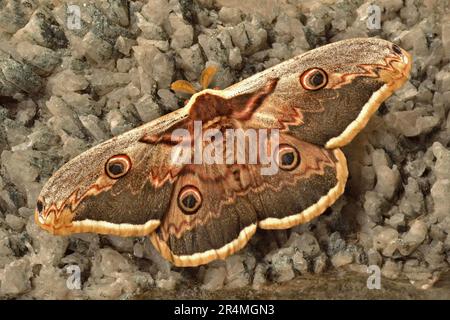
(197, 212)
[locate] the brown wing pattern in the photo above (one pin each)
(195, 213)
(236, 199)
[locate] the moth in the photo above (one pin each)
(198, 212)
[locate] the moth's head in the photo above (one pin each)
(342, 84)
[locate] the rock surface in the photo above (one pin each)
(65, 88)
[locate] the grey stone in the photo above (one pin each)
(418, 274)
(73, 146)
(82, 104)
(17, 77)
(214, 278)
(113, 276)
(374, 257)
(58, 107)
(230, 15)
(183, 34)
(410, 14)
(124, 65)
(412, 203)
(138, 250)
(445, 31)
(25, 212)
(397, 220)
(49, 249)
(415, 40)
(156, 11)
(124, 45)
(65, 81)
(442, 165)
(435, 256)
(16, 134)
(7, 202)
(108, 262)
(289, 30)
(305, 243)
(162, 45)
(374, 205)
(235, 58)
(155, 63)
(204, 19)
(43, 30)
(259, 279)
(385, 239)
(320, 263)
(440, 192)
(104, 81)
(407, 92)
(78, 259)
(122, 244)
(43, 59)
(436, 54)
(116, 11)
(212, 48)
(299, 263)
(15, 17)
(391, 269)
(413, 238)
(341, 259)
(437, 233)
(19, 167)
(417, 167)
(14, 222)
(237, 277)
(362, 178)
(68, 125)
(150, 253)
(248, 37)
(280, 51)
(335, 243)
(168, 282)
(424, 93)
(64, 117)
(443, 80)
(191, 61)
(15, 278)
(168, 99)
(149, 29)
(51, 283)
(388, 179)
(393, 27)
(96, 48)
(225, 38)
(6, 252)
(281, 265)
(117, 123)
(132, 91)
(26, 111)
(32, 191)
(94, 126)
(147, 108)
